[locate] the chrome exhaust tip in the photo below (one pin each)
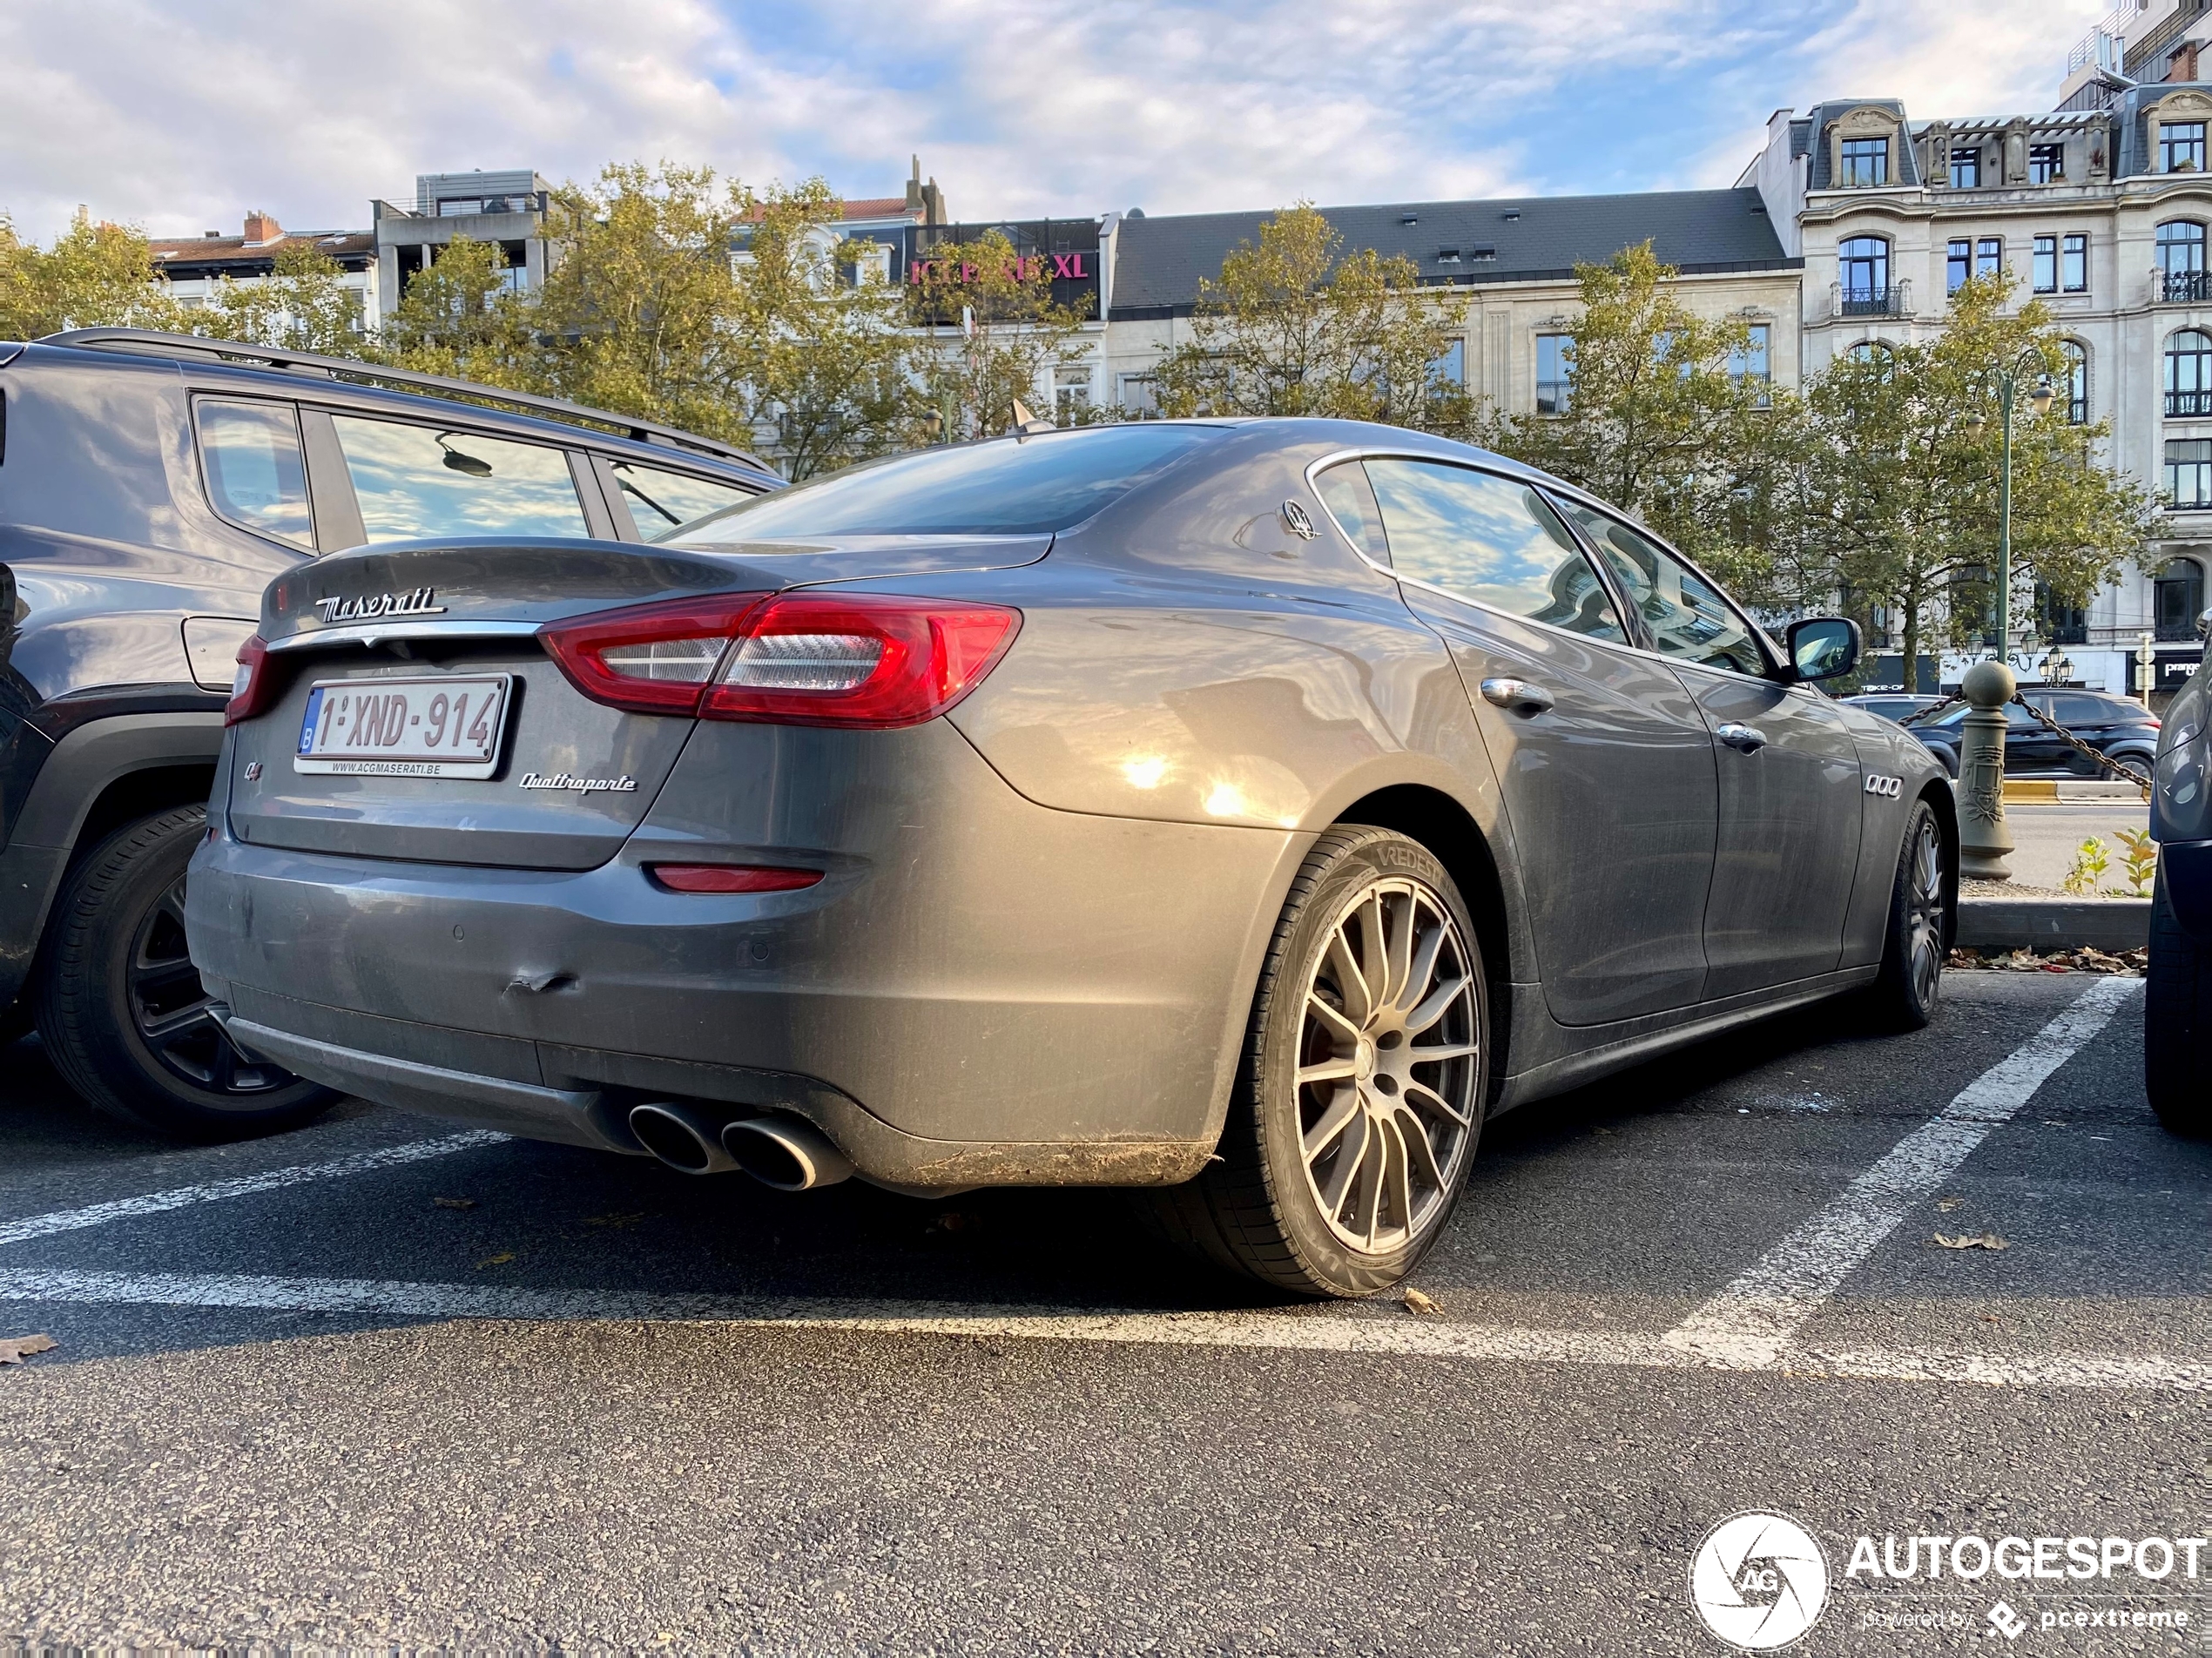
(681, 1138)
(785, 1153)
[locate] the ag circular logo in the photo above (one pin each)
(1758, 1581)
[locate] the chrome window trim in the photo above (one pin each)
(375, 633)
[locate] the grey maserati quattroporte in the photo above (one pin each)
(1248, 809)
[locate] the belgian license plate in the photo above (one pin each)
(446, 727)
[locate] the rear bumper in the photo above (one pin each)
(980, 991)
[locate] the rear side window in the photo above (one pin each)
(257, 475)
(1031, 486)
(1491, 540)
(662, 503)
(2090, 711)
(1350, 501)
(1687, 616)
(417, 481)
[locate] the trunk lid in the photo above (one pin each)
(571, 778)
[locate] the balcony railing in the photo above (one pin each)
(2184, 406)
(2186, 287)
(1871, 302)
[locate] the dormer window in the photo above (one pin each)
(1447, 256)
(1479, 254)
(1965, 168)
(1867, 161)
(2047, 164)
(2181, 146)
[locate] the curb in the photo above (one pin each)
(2112, 924)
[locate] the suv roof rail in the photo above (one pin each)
(158, 343)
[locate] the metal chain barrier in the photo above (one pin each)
(2065, 736)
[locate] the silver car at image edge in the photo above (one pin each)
(1246, 810)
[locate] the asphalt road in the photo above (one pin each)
(604, 1406)
(2046, 837)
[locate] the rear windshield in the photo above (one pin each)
(1006, 487)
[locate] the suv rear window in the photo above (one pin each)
(1005, 487)
(255, 472)
(661, 503)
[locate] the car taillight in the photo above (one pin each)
(869, 660)
(732, 878)
(253, 687)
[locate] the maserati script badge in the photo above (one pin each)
(422, 602)
(579, 785)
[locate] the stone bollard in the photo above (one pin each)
(1984, 837)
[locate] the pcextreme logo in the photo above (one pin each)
(1758, 1581)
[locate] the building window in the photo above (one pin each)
(2074, 264)
(1965, 169)
(1867, 161)
(2181, 146)
(1989, 256)
(1071, 394)
(1871, 351)
(2189, 374)
(1139, 397)
(1865, 261)
(2189, 471)
(2180, 261)
(1555, 373)
(2047, 265)
(2058, 620)
(1753, 360)
(1957, 265)
(2178, 594)
(2045, 164)
(1451, 366)
(2077, 383)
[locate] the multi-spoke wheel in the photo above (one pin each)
(1360, 1098)
(122, 1011)
(1911, 982)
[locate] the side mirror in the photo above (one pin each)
(1822, 647)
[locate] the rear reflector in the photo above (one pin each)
(731, 877)
(814, 657)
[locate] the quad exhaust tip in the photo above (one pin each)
(782, 1152)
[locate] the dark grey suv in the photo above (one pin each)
(150, 487)
(1245, 810)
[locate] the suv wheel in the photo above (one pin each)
(1904, 996)
(120, 1006)
(1359, 1100)
(2177, 1020)
(2137, 761)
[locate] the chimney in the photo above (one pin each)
(260, 229)
(934, 199)
(2181, 64)
(914, 188)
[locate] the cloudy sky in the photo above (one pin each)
(180, 115)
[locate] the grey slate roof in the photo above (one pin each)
(1159, 262)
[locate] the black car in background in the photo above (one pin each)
(2124, 731)
(1892, 704)
(150, 487)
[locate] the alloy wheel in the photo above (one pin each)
(1389, 1070)
(1924, 912)
(172, 1012)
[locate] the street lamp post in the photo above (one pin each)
(1985, 838)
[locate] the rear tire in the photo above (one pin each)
(1357, 1112)
(1904, 995)
(2177, 1020)
(121, 1009)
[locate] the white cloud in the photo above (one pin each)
(181, 116)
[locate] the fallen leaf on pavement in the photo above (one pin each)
(1946, 1204)
(1985, 1241)
(500, 1260)
(12, 1348)
(1416, 1302)
(454, 1202)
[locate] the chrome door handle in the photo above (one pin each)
(1748, 738)
(1518, 695)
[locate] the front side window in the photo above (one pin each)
(1350, 500)
(1555, 373)
(415, 481)
(257, 475)
(2045, 164)
(1030, 486)
(1958, 265)
(1965, 168)
(2074, 264)
(1867, 161)
(2181, 146)
(2077, 383)
(1687, 617)
(1490, 540)
(2189, 471)
(2047, 265)
(661, 502)
(2189, 374)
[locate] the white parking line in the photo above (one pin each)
(1382, 1334)
(70, 1220)
(1749, 1324)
